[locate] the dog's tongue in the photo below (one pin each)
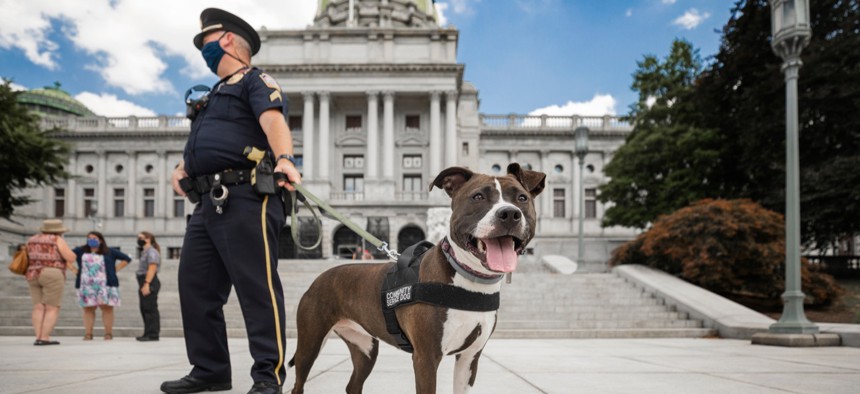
(501, 256)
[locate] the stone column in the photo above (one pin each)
(388, 136)
(451, 128)
(131, 189)
(161, 196)
(547, 199)
(308, 134)
(101, 191)
(71, 191)
(436, 148)
(324, 156)
(372, 153)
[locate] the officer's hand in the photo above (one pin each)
(178, 173)
(288, 169)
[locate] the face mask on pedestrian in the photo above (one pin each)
(93, 243)
(212, 53)
(140, 242)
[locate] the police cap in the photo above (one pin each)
(213, 19)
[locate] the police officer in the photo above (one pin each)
(232, 237)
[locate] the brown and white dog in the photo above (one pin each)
(492, 221)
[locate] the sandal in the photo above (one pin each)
(88, 337)
(108, 337)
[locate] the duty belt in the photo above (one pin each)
(203, 184)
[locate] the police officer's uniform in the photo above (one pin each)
(238, 246)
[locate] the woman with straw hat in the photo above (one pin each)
(49, 257)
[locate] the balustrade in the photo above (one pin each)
(535, 122)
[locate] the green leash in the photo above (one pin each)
(303, 195)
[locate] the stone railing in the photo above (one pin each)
(547, 122)
(130, 123)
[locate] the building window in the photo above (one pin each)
(413, 122)
(353, 122)
(412, 183)
(118, 202)
(412, 161)
(295, 122)
(173, 252)
(89, 202)
(178, 205)
(558, 203)
(353, 162)
(149, 202)
(353, 183)
(591, 203)
(59, 202)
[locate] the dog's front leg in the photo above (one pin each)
(425, 365)
(465, 370)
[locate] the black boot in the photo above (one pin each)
(189, 384)
(265, 388)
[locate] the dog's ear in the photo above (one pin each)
(533, 181)
(450, 179)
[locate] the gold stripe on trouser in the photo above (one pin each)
(272, 294)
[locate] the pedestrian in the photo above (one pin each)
(147, 279)
(232, 236)
(50, 257)
(97, 283)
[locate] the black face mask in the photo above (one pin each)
(141, 242)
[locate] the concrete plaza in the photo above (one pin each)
(704, 365)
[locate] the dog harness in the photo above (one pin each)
(401, 287)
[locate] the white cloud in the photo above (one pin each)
(17, 88)
(106, 104)
(460, 6)
(691, 19)
(629, 12)
(441, 8)
(131, 40)
(668, 1)
(599, 105)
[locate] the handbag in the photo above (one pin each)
(19, 263)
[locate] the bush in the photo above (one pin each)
(734, 248)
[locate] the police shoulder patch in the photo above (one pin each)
(269, 81)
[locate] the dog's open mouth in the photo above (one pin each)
(496, 254)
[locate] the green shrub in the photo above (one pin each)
(730, 247)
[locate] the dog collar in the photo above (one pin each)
(467, 272)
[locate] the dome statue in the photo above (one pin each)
(376, 13)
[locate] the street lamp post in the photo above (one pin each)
(581, 149)
(791, 32)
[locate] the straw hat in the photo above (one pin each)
(53, 226)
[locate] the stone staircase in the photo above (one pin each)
(537, 304)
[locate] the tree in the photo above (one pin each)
(719, 132)
(742, 94)
(666, 162)
(29, 156)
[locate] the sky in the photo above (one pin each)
(555, 57)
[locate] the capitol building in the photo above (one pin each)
(378, 105)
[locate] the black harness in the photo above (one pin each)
(401, 287)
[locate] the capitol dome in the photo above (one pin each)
(53, 101)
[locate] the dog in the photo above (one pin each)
(493, 219)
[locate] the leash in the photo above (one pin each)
(302, 194)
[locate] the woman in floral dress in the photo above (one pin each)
(97, 283)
